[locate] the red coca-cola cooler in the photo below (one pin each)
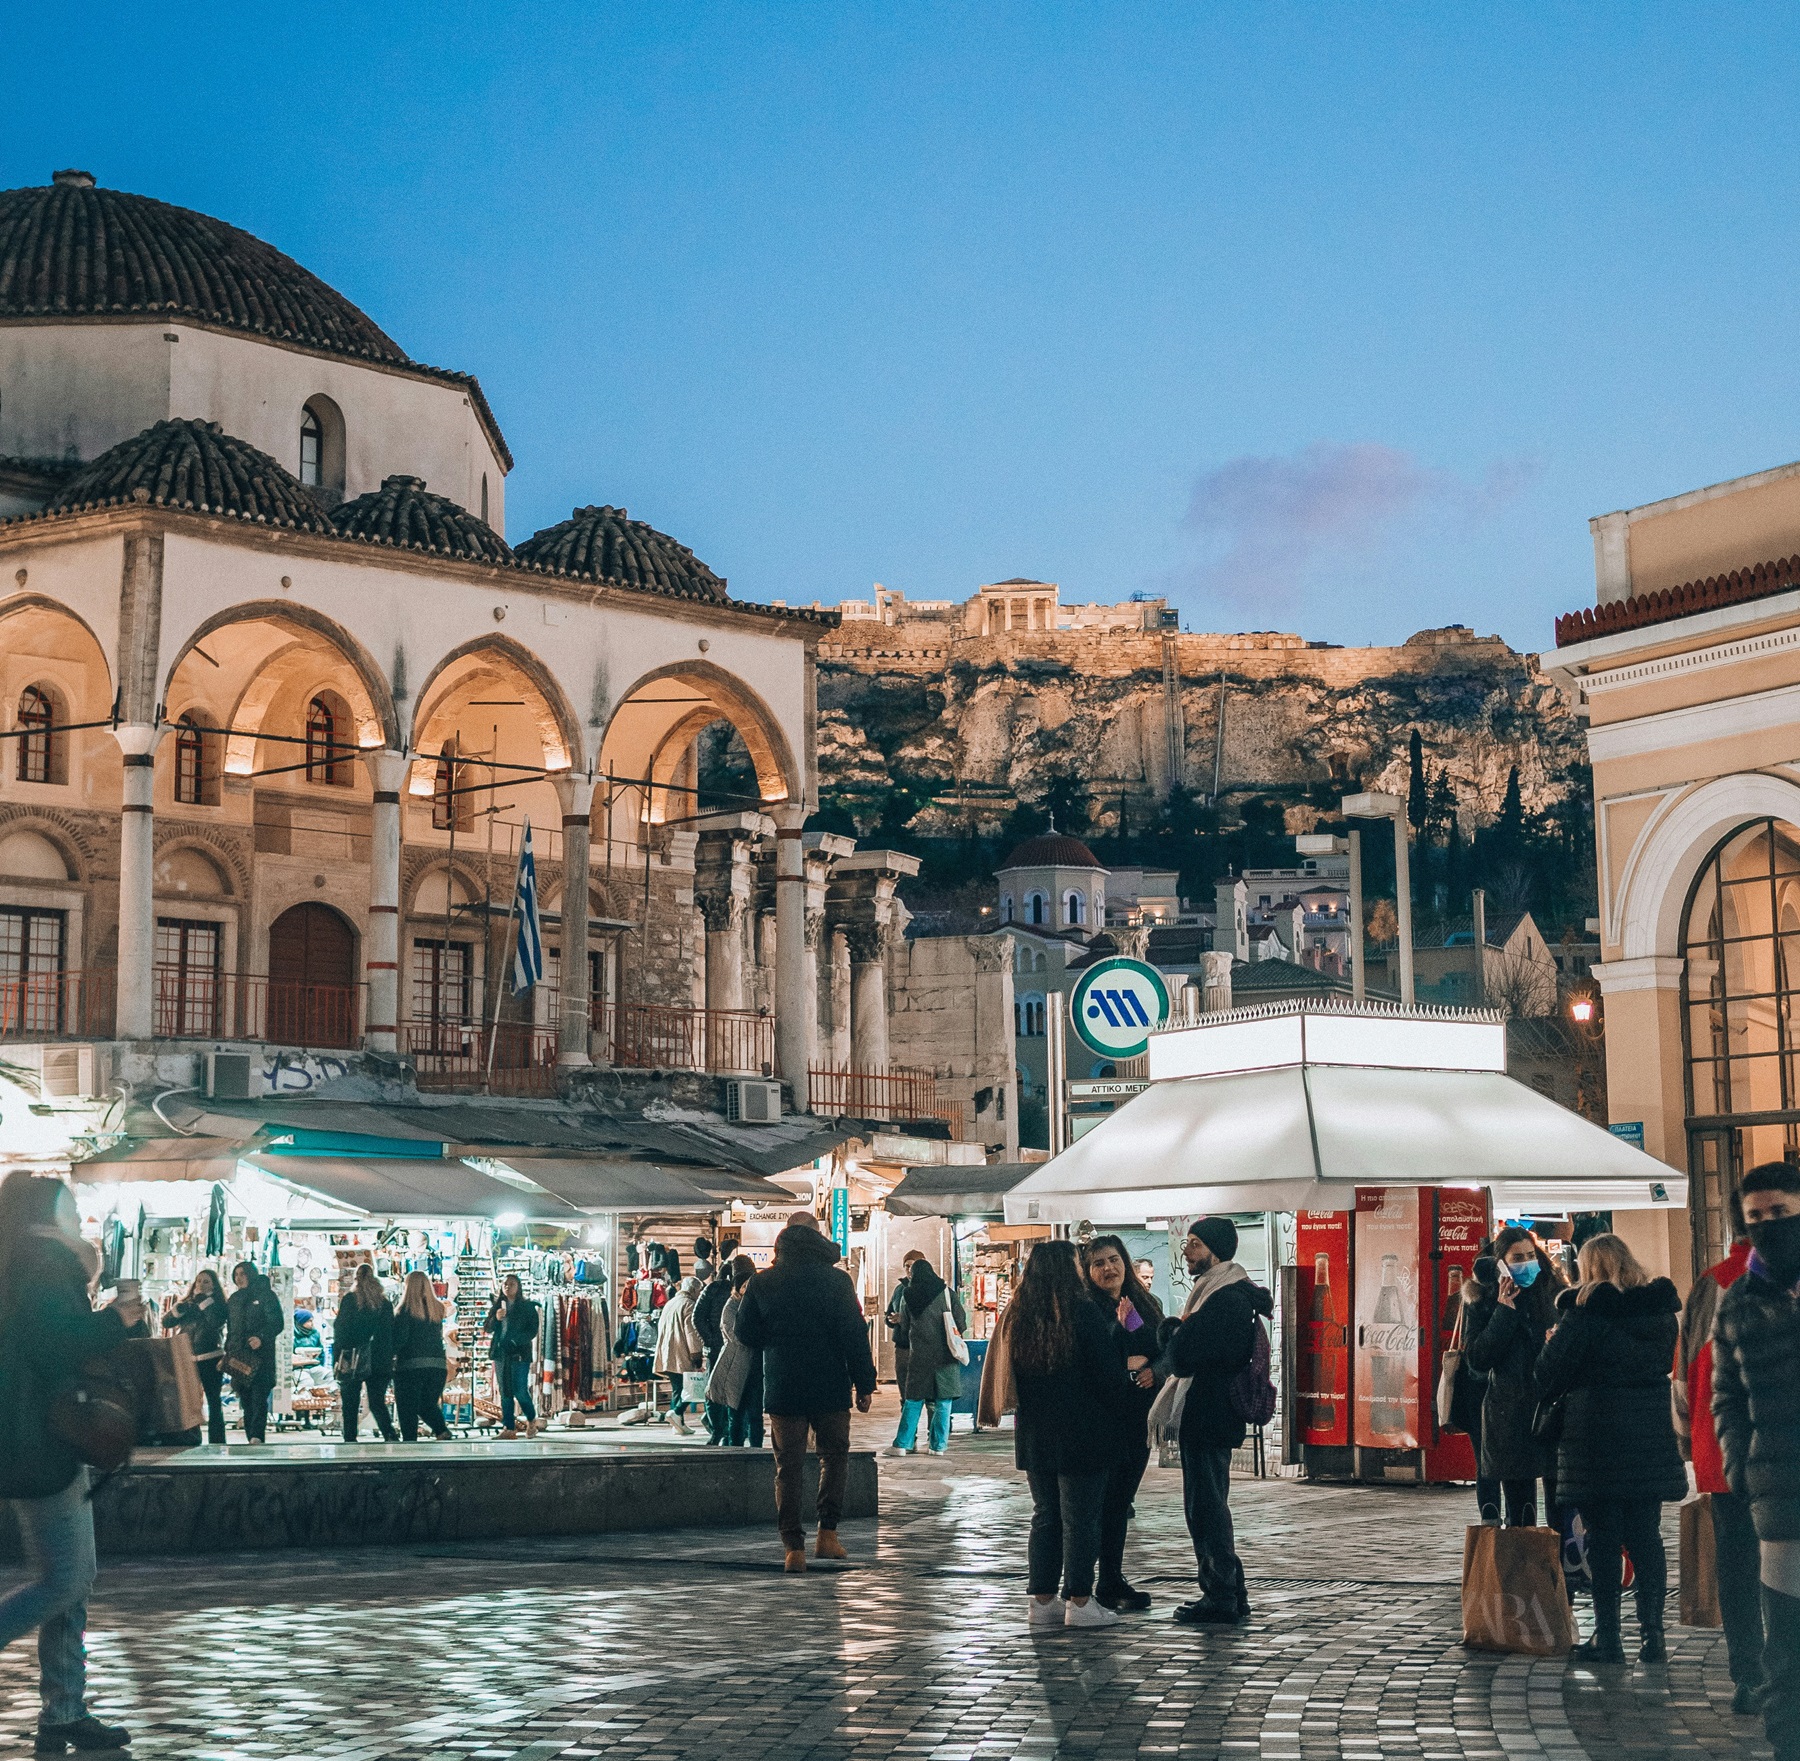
(1378, 1290)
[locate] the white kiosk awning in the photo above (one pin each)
(1293, 1106)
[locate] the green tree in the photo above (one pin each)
(1418, 803)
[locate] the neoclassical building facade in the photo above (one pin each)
(1687, 669)
(277, 698)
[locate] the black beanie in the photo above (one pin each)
(1219, 1235)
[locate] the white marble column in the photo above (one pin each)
(137, 886)
(795, 973)
(868, 998)
(576, 796)
(381, 947)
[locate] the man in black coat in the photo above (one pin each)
(802, 1314)
(1756, 1409)
(1211, 1343)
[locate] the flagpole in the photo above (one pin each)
(512, 912)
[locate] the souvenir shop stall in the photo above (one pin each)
(1380, 1147)
(985, 1253)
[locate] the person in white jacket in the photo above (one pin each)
(680, 1350)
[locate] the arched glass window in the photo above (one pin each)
(324, 763)
(1006, 908)
(190, 763)
(1028, 1015)
(1740, 975)
(448, 807)
(1074, 908)
(484, 516)
(37, 736)
(1035, 906)
(312, 449)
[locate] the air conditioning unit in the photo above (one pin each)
(229, 1076)
(64, 1073)
(752, 1103)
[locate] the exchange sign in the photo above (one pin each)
(1115, 1006)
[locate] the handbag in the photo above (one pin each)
(1699, 1565)
(96, 1417)
(1448, 1373)
(240, 1369)
(959, 1347)
(1547, 1422)
(353, 1363)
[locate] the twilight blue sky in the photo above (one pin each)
(1336, 319)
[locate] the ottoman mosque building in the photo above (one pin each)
(277, 695)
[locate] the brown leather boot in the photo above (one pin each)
(794, 1559)
(829, 1546)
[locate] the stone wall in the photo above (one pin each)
(951, 1012)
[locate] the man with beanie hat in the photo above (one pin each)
(1207, 1347)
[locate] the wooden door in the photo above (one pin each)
(312, 978)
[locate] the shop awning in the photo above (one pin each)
(161, 1158)
(1305, 1127)
(433, 1188)
(601, 1183)
(957, 1192)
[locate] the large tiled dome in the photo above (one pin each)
(606, 544)
(69, 249)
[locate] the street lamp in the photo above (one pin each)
(1380, 806)
(1581, 1010)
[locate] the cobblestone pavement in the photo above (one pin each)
(694, 1644)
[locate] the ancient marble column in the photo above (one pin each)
(137, 897)
(381, 946)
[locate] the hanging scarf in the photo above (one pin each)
(1171, 1399)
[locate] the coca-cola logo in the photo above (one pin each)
(1396, 1339)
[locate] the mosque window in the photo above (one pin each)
(39, 746)
(484, 512)
(196, 777)
(312, 448)
(325, 763)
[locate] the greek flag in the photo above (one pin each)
(528, 955)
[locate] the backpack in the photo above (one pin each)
(1251, 1390)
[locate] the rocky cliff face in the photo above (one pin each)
(946, 732)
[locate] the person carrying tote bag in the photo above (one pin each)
(934, 1315)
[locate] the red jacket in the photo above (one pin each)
(1693, 1379)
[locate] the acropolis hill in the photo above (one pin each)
(969, 707)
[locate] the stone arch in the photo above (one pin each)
(559, 730)
(217, 853)
(1660, 871)
(69, 837)
(18, 604)
(377, 705)
(653, 724)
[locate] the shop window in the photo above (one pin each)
(32, 955)
(188, 960)
(39, 742)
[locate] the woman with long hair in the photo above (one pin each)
(362, 1353)
(513, 1321)
(1607, 1366)
(421, 1365)
(1132, 1316)
(253, 1322)
(737, 1383)
(1072, 1398)
(1505, 1350)
(48, 1327)
(201, 1315)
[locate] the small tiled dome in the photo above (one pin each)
(1052, 850)
(606, 544)
(188, 464)
(404, 512)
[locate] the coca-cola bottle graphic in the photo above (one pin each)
(1387, 1370)
(1322, 1348)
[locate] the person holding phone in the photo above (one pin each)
(1133, 1318)
(253, 1322)
(512, 1324)
(201, 1316)
(1505, 1349)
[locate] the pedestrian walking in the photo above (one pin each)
(512, 1325)
(1756, 1408)
(362, 1353)
(933, 1378)
(421, 1365)
(895, 1317)
(1505, 1350)
(201, 1316)
(737, 1378)
(48, 1327)
(253, 1322)
(1212, 1343)
(1606, 1368)
(680, 1349)
(1072, 1396)
(1133, 1320)
(707, 1318)
(803, 1316)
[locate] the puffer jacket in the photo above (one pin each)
(1692, 1384)
(1608, 1362)
(369, 1329)
(48, 1329)
(1756, 1400)
(1211, 1346)
(202, 1319)
(1505, 1349)
(253, 1313)
(803, 1316)
(680, 1346)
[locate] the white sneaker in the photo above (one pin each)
(892, 1450)
(681, 1425)
(637, 1416)
(1045, 1613)
(1089, 1613)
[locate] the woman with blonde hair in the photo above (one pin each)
(1606, 1369)
(362, 1352)
(420, 1362)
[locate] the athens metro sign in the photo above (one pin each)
(1115, 1006)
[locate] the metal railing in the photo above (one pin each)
(724, 1042)
(455, 1055)
(894, 1096)
(191, 1004)
(58, 1005)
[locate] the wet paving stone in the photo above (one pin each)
(693, 1643)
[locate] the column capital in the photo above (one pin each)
(138, 739)
(1649, 972)
(386, 767)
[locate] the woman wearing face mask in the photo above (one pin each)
(1132, 1316)
(1616, 1457)
(47, 1329)
(253, 1322)
(1505, 1350)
